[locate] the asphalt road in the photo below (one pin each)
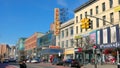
(40, 65)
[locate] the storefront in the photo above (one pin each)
(69, 53)
(46, 53)
(109, 52)
(84, 56)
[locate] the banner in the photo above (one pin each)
(105, 37)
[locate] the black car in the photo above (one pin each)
(71, 63)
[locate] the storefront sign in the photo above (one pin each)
(56, 22)
(111, 45)
(78, 50)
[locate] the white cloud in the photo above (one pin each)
(62, 3)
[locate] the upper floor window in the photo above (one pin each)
(71, 30)
(66, 43)
(119, 15)
(81, 30)
(63, 34)
(111, 18)
(111, 3)
(71, 42)
(66, 32)
(91, 24)
(96, 9)
(76, 19)
(80, 16)
(85, 14)
(76, 29)
(97, 22)
(91, 12)
(59, 36)
(118, 1)
(104, 18)
(62, 44)
(103, 6)
(58, 43)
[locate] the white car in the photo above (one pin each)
(34, 61)
(28, 61)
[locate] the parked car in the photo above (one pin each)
(71, 63)
(6, 60)
(35, 61)
(12, 60)
(28, 61)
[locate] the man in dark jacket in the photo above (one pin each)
(22, 64)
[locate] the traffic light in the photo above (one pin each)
(88, 23)
(83, 24)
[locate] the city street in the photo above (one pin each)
(49, 65)
(44, 65)
(7, 65)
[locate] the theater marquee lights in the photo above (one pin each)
(56, 22)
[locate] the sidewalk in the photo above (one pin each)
(5, 65)
(100, 66)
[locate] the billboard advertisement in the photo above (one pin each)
(92, 37)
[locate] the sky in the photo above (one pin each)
(22, 18)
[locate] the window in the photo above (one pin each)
(97, 22)
(104, 18)
(66, 32)
(71, 42)
(66, 43)
(81, 30)
(85, 14)
(62, 34)
(76, 29)
(96, 9)
(119, 15)
(80, 16)
(103, 6)
(91, 12)
(62, 44)
(111, 18)
(91, 24)
(58, 43)
(111, 3)
(76, 19)
(71, 30)
(59, 36)
(118, 1)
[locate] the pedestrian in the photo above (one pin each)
(22, 64)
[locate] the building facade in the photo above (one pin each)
(20, 47)
(31, 44)
(4, 51)
(105, 19)
(66, 37)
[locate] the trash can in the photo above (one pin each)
(118, 65)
